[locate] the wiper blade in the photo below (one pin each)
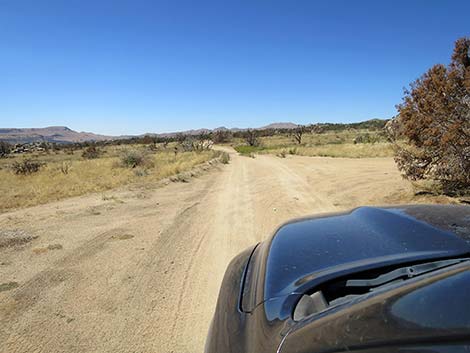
(404, 272)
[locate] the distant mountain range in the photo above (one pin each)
(58, 134)
(62, 134)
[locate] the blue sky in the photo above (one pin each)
(128, 67)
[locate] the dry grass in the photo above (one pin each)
(347, 150)
(87, 176)
(327, 138)
(331, 144)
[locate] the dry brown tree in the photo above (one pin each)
(431, 133)
(251, 137)
(298, 133)
(222, 136)
(5, 149)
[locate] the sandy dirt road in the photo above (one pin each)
(139, 269)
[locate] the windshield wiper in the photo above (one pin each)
(403, 272)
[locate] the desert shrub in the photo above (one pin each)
(134, 158)
(364, 138)
(431, 133)
(180, 178)
(243, 149)
(336, 140)
(292, 150)
(188, 144)
(298, 133)
(191, 144)
(222, 136)
(225, 158)
(282, 154)
(251, 138)
(152, 147)
(65, 167)
(26, 167)
(91, 152)
(202, 145)
(5, 149)
(141, 172)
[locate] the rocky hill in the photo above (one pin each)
(57, 134)
(62, 134)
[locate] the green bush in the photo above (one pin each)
(243, 149)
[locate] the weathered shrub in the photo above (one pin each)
(251, 137)
(299, 132)
(191, 144)
(134, 158)
(91, 152)
(141, 172)
(65, 168)
(5, 149)
(26, 167)
(366, 138)
(293, 150)
(188, 145)
(203, 145)
(225, 158)
(431, 134)
(222, 136)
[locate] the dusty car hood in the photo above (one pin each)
(312, 250)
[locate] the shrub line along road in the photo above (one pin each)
(139, 270)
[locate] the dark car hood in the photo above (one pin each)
(313, 250)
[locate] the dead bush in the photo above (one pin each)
(188, 145)
(298, 133)
(431, 134)
(293, 151)
(222, 136)
(141, 172)
(134, 158)
(225, 158)
(26, 167)
(367, 138)
(5, 149)
(65, 168)
(191, 144)
(251, 138)
(91, 152)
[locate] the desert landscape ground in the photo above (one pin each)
(145, 144)
(138, 268)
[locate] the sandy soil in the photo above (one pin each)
(139, 270)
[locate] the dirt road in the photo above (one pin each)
(138, 270)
